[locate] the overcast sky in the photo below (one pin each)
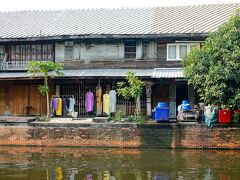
(12, 5)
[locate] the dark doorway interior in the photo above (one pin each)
(181, 94)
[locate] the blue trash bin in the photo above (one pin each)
(162, 114)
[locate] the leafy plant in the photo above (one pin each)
(131, 118)
(235, 117)
(118, 116)
(138, 119)
(131, 89)
(214, 70)
(46, 70)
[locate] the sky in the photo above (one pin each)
(14, 5)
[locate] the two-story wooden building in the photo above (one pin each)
(98, 47)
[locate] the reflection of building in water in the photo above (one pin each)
(106, 175)
(89, 177)
(208, 174)
(162, 177)
(59, 174)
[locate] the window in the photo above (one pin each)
(27, 52)
(172, 52)
(176, 52)
(145, 50)
(2, 53)
(68, 52)
(130, 49)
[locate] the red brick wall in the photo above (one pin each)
(122, 135)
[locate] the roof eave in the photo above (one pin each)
(104, 36)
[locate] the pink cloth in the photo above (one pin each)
(89, 102)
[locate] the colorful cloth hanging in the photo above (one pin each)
(99, 100)
(106, 101)
(89, 102)
(54, 105)
(113, 101)
(71, 104)
(64, 107)
(59, 107)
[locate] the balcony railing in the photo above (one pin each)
(14, 65)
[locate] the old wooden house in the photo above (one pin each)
(98, 47)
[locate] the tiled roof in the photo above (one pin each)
(168, 73)
(145, 21)
(93, 73)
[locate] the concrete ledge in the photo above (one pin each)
(128, 125)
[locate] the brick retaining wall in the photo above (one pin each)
(122, 135)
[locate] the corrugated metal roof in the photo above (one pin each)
(168, 73)
(106, 72)
(154, 73)
(162, 20)
(86, 73)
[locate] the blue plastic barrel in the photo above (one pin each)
(162, 104)
(186, 107)
(185, 102)
(162, 114)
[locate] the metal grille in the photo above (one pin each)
(79, 92)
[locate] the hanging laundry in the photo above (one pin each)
(68, 103)
(59, 108)
(54, 105)
(64, 107)
(89, 102)
(71, 104)
(113, 101)
(106, 100)
(99, 99)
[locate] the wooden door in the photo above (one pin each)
(16, 98)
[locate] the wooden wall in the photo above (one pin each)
(160, 93)
(112, 56)
(14, 99)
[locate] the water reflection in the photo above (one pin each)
(117, 164)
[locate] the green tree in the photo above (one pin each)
(214, 70)
(46, 70)
(131, 89)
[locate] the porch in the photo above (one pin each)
(19, 95)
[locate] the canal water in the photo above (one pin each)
(117, 164)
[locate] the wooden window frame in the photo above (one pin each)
(26, 52)
(130, 54)
(65, 53)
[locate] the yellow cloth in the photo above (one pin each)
(59, 108)
(106, 101)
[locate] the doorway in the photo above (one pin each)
(181, 94)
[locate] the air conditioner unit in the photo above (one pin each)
(68, 43)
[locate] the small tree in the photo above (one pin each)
(131, 89)
(214, 70)
(46, 70)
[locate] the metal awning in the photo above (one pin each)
(168, 73)
(106, 72)
(86, 73)
(148, 73)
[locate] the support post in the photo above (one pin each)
(149, 95)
